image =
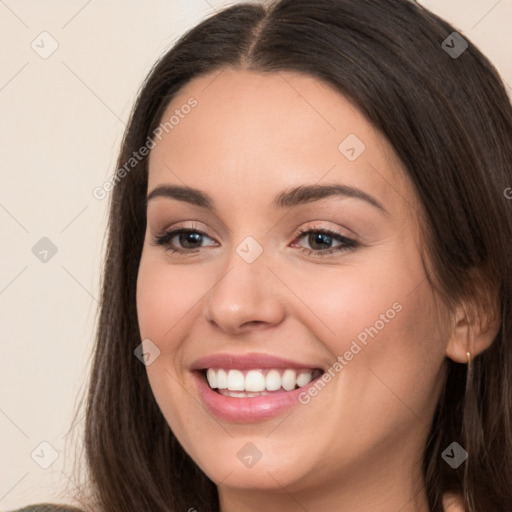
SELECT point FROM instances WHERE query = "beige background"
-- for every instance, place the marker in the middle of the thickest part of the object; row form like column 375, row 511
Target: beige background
column 61, row 122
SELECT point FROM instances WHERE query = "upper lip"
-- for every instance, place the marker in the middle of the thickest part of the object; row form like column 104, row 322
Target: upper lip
column 247, row 362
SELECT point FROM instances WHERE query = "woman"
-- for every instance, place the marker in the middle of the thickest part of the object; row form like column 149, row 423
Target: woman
column 261, row 369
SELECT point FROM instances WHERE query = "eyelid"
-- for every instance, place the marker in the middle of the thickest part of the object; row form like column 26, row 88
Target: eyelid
column 348, row 243
column 183, row 225
column 312, row 226
column 320, row 225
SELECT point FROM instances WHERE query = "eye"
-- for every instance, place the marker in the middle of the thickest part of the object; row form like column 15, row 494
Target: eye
column 191, row 239
column 325, row 237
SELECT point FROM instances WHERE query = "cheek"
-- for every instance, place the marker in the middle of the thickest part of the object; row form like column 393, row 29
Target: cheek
column 164, row 296
column 381, row 319
column 165, row 301
column 348, row 301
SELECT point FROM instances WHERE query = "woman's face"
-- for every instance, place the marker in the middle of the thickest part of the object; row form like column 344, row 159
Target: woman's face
column 247, row 282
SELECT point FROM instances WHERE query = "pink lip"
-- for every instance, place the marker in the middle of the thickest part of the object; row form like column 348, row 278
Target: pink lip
column 250, row 409
column 246, row 362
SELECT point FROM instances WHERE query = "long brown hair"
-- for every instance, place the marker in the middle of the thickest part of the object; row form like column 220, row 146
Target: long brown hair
column 449, row 120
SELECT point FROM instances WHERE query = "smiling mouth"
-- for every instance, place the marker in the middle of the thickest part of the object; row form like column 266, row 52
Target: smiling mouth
column 258, row 382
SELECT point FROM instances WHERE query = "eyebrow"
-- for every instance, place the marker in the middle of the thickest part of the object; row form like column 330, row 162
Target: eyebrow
column 287, row 199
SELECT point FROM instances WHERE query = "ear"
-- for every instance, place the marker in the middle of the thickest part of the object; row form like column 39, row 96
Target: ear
column 475, row 324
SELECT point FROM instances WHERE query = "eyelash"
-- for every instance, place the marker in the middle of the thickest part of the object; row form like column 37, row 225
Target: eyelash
column 348, row 244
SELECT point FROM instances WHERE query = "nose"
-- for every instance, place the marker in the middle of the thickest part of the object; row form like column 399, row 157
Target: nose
column 246, row 296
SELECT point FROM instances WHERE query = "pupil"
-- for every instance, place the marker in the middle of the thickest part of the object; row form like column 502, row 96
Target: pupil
column 185, row 237
column 320, row 236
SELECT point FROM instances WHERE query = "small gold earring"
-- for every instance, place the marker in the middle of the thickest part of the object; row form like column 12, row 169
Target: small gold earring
column 468, row 354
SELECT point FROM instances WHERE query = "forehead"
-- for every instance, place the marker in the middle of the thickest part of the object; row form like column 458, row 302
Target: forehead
column 251, row 134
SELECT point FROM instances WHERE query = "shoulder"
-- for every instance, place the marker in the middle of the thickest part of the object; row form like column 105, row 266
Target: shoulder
column 47, row 507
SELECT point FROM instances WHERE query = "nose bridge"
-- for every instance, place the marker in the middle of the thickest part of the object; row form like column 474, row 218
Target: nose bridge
column 246, row 290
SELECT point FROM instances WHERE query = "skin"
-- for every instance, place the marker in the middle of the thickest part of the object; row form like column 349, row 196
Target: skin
column 358, row 444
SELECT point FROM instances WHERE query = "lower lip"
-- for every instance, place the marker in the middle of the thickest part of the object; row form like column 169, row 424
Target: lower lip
column 248, row 409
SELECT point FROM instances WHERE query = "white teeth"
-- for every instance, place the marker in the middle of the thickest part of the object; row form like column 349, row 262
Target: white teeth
column 288, row 379
column 222, row 379
column 241, row 394
column 258, row 381
column 254, row 381
column 212, row 378
column 303, row 378
column 236, row 380
column 273, row 380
